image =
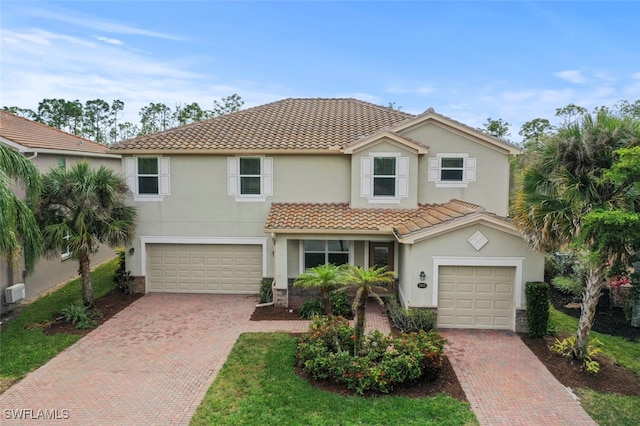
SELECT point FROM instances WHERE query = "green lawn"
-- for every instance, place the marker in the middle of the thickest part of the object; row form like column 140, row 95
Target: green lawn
column 257, row 385
column 24, row 350
column 608, row 409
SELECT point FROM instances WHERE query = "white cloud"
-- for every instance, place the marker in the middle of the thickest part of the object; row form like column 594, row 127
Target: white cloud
column 572, row 76
column 94, row 23
column 108, row 40
column 420, row 90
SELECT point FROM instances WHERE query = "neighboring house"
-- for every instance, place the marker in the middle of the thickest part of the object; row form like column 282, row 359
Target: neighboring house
column 275, row 189
column 47, row 147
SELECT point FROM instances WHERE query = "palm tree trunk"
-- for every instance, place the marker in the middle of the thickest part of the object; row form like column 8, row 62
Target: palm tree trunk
column 360, row 320
column 590, row 297
column 326, row 304
column 87, row 287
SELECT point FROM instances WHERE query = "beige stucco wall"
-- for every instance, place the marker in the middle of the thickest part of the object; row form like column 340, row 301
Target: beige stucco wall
column 419, row 257
column 385, row 146
column 491, row 188
column 199, row 205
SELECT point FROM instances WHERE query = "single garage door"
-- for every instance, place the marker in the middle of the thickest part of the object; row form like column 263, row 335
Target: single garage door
column 475, row 297
column 204, row 268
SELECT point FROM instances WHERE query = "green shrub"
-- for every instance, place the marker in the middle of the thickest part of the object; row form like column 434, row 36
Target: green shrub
column 409, row 320
column 311, row 308
column 78, row 315
column 123, row 278
column 568, row 285
column 537, row 297
column 383, row 362
column 266, row 290
column 566, row 346
column 340, row 304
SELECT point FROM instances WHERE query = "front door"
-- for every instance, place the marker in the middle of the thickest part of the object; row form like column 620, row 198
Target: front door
column 381, row 254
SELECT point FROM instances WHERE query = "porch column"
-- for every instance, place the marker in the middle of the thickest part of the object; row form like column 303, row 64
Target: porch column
column 281, row 296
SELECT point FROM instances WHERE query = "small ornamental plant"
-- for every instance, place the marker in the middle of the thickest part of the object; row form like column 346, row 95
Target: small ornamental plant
column 328, row 352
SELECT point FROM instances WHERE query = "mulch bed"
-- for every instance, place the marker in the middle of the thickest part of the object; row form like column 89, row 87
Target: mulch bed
column 108, row 305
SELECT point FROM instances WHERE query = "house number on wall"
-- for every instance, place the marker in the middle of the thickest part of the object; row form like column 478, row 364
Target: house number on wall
column 422, row 285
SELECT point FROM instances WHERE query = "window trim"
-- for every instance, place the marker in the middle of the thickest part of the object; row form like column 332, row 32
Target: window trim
column 367, row 178
column 234, row 179
column 468, row 170
column 164, row 177
column 301, row 251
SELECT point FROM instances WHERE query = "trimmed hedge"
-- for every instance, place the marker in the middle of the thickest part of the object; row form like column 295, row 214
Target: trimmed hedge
column 537, row 296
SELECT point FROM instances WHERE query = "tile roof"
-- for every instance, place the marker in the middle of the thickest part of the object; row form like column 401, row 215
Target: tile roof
column 33, row 136
column 290, row 124
column 295, row 217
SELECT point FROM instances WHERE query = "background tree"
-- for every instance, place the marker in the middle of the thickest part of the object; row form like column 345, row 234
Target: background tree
column 80, row 209
column 225, row 106
column 498, row 128
column 155, row 117
column 117, row 106
column 19, row 230
column 564, row 183
column 570, row 114
column 189, row 113
column 324, row 278
column 96, row 120
column 22, row 112
column 366, row 281
column 532, row 131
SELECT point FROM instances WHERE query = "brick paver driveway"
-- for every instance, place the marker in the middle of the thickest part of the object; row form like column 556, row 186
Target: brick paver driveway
column 505, row 382
column 150, row 364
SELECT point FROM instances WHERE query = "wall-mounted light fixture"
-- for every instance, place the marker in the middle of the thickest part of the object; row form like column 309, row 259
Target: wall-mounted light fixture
column 131, row 251
column 423, row 276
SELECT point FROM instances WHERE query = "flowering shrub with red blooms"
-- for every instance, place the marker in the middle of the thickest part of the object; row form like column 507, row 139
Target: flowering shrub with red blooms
column 327, row 352
column 617, row 280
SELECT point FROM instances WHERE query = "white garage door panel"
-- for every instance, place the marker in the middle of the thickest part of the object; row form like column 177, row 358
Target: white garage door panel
column 204, row 268
column 475, row 297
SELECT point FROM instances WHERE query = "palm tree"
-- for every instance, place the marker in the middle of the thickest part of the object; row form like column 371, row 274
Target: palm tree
column 325, row 278
column 564, row 182
column 365, row 281
column 80, row 209
column 20, row 231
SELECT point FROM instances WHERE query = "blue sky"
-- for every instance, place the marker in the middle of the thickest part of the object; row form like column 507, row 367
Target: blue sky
column 469, row 60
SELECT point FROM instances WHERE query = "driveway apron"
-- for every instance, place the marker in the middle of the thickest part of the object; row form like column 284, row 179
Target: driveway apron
column 506, row 384
column 149, row 365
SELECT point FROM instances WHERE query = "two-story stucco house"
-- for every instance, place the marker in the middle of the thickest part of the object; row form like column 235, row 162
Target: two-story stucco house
column 47, row 147
column 273, row 190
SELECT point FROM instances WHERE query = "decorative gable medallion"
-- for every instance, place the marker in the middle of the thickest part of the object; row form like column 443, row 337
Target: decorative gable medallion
column 478, row 240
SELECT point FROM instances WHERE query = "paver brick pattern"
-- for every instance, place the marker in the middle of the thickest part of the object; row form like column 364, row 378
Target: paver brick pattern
column 153, row 362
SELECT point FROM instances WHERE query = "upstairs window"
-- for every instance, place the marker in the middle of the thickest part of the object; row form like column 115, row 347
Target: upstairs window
column 384, row 177
column 250, row 178
column 452, row 170
column 148, row 177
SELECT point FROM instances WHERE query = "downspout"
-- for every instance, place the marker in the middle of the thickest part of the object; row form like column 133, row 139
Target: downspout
column 35, row 154
column 273, row 283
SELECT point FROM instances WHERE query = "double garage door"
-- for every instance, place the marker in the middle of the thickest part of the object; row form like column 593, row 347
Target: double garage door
column 204, row 268
column 476, row 297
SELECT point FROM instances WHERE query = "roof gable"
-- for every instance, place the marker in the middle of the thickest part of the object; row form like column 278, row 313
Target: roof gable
column 404, row 141
column 29, row 136
column 430, row 116
column 291, row 125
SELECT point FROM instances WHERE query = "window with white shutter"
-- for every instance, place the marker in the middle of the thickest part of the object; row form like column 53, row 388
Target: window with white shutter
column 148, row 178
column 452, row 170
column 384, row 177
column 250, row 178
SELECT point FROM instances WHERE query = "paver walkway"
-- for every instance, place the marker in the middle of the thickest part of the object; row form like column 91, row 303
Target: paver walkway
column 506, row 384
column 153, row 362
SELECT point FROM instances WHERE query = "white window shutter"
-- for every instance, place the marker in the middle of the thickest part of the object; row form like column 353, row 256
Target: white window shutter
column 164, row 176
column 469, row 169
column 232, row 175
column 402, row 177
column 366, row 178
column 130, row 166
column 434, row 169
column 267, row 176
